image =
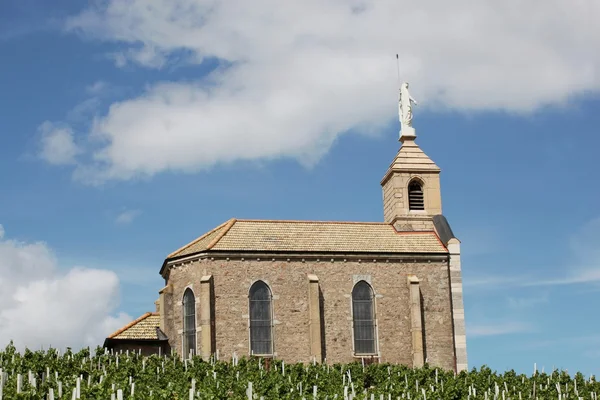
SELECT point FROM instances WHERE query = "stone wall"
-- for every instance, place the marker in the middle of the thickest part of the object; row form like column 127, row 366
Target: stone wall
column 147, row 347
column 289, row 283
column 414, row 223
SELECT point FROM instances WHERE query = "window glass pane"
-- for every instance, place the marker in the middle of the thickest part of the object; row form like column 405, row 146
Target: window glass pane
column 189, row 323
column 260, row 310
column 363, row 310
column 260, row 319
column 363, row 318
column 362, row 291
column 191, row 338
column 364, row 346
column 363, row 330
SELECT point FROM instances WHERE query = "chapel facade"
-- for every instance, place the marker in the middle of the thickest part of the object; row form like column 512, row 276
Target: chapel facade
column 326, row 291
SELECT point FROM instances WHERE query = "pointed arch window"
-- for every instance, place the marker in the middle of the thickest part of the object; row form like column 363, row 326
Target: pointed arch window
column 416, row 200
column 189, row 323
column 261, row 319
column 363, row 317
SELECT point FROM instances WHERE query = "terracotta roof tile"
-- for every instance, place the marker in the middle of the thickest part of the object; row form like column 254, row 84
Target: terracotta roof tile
column 313, row 236
column 203, row 242
column 145, row 327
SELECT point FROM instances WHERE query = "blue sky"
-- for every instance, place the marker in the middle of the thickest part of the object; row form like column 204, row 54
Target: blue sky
column 128, row 131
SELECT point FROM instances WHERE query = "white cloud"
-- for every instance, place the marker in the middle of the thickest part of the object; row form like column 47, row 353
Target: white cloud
column 83, row 111
column 96, row 88
column 486, row 281
column 295, row 75
column 584, row 268
column 585, row 255
column 146, row 55
column 127, row 217
column 587, row 275
column 592, row 353
column 480, row 240
column 101, row 90
column 520, row 303
column 57, row 144
column 584, row 243
column 40, row 305
column 583, row 341
column 496, row 329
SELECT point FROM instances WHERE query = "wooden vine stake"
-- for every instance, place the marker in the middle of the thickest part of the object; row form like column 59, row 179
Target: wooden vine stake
column 249, row 391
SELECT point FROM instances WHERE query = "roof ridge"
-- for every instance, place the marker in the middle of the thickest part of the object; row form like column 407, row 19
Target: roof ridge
column 312, row 221
column 414, row 232
column 198, row 239
column 220, row 235
column 129, row 325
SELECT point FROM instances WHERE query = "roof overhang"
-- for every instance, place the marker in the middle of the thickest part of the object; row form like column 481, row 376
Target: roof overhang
column 113, row 341
column 304, row 256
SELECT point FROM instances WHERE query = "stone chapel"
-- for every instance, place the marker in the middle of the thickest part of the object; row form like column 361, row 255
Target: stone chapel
column 328, row 291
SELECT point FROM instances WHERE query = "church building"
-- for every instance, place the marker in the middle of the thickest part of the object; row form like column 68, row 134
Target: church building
column 328, row 291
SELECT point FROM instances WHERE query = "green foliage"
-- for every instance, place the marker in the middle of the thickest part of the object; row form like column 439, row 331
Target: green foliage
column 101, row 374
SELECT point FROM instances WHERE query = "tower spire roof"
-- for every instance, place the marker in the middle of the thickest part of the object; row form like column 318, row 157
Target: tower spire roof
column 410, row 158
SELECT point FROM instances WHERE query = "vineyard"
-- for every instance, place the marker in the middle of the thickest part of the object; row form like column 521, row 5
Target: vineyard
column 101, row 375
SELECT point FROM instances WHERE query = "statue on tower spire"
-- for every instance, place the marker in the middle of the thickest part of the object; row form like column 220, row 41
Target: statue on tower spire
column 405, row 102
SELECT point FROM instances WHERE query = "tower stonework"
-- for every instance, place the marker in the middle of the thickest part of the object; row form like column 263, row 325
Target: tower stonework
column 411, row 166
column 412, row 201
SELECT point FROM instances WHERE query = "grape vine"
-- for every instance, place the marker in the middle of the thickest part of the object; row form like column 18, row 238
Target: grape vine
column 101, row 375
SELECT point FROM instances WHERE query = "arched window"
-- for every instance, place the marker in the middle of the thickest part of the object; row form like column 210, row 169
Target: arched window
column 261, row 324
column 363, row 317
column 189, row 323
column 415, row 196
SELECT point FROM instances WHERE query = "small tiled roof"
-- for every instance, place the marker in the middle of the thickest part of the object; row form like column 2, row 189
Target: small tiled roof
column 204, row 242
column 145, row 327
column 312, row 236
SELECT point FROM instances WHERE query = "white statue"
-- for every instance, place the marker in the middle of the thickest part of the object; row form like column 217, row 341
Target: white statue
column 405, row 106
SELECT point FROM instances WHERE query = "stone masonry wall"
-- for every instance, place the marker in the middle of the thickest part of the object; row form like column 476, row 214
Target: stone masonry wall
column 289, row 284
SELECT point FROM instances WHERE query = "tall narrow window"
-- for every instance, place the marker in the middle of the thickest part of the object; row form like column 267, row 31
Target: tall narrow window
column 261, row 334
column 415, row 196
column 189, row 323
column 363, row 316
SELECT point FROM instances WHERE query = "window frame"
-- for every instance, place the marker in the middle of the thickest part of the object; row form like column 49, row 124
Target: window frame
column 375, row 331
column 270, row 319
column 187, row 331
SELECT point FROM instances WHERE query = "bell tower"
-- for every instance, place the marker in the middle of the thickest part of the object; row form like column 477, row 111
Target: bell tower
column 412, row 201
column 411, row 187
